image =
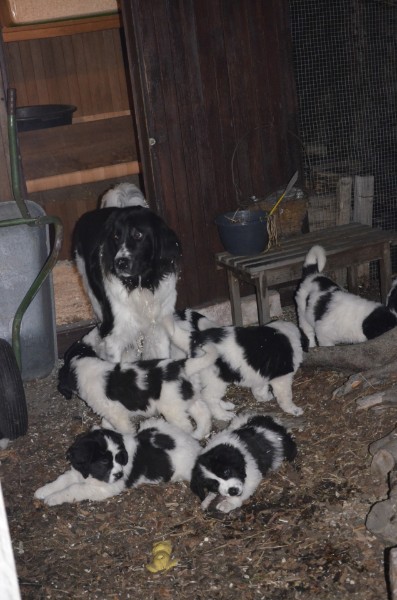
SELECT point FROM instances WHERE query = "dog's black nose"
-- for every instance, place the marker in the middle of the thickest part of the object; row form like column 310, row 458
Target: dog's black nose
column 118, row 475
column 233, row 491
column 121, row 263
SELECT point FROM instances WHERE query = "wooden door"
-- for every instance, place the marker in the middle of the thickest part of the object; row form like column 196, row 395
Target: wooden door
column 215, row 105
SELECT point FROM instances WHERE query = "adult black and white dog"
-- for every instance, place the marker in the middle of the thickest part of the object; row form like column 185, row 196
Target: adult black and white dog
column 235, row 460
column 104, row 463
column 119, row 391
column 329, row 315
column 129, row 261
column 256, row 357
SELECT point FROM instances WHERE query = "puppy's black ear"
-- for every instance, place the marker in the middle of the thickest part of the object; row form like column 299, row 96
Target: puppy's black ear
column 80, row 455
column 197, row 483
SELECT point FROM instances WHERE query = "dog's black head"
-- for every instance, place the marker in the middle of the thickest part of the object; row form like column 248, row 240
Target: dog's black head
column 138, row 247
column 221, row 470
column 100, row 453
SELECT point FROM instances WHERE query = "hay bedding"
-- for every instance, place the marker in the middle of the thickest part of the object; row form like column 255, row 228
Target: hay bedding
column 302, row 536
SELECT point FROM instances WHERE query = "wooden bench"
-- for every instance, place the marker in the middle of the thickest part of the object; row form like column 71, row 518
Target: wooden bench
column 347, row 246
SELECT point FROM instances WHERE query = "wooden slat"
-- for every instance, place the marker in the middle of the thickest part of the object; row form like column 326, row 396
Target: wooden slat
column 60, row 28
column 86, row 176
column 71, row 148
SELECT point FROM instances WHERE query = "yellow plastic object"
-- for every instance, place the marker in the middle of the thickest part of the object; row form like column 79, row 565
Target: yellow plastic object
column 161, row 560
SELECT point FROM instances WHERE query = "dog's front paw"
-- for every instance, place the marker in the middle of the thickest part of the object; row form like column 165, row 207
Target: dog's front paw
column 42, row 492
column 227, row 405
column 54, row 499
column 228, row 505
column 297, row 411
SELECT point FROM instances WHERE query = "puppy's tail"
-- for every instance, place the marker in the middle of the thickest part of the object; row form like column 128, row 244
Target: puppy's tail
column 198, row 363
column 122, row 195
column 391, row 301
column 314, row 262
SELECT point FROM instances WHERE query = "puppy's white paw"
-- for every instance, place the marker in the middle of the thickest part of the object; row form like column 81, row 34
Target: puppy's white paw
column 297, row 411
column 41, row 493
column 227, row 505
column 227, row 405
column 54, row 499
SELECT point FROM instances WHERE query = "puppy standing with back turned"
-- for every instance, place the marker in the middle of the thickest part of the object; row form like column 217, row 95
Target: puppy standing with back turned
column 129, row 260
column 329, row 315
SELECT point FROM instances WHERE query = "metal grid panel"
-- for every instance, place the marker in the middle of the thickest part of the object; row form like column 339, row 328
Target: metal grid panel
column 345, row 55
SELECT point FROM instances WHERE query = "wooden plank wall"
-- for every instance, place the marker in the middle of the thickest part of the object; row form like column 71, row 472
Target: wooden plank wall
column 85, row 69
column 216, row 80
column 89, row 71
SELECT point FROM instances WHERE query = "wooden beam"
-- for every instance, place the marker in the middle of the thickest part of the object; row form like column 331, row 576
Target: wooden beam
column 79, row 177
column 37, row 31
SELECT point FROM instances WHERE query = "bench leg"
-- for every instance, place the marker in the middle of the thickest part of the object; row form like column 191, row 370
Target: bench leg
column 385, row 272
column 262, row 300
column 235, row 299
column 352, row 279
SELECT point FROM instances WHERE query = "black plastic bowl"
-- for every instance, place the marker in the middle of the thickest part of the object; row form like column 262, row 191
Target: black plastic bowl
column 243, row 232
column 44, row 116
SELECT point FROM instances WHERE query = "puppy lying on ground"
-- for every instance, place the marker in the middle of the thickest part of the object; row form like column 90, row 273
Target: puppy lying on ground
column 329, row 315
column 256, row 357
column 104, row 463
column 235, row 460
column 129, row 261
column 120, row 391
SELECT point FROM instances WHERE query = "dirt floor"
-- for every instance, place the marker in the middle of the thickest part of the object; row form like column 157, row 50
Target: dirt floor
column 302, row 536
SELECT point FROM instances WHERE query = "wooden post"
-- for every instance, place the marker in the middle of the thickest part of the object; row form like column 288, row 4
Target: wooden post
column 363, row 209
column 363, row 199
column 343, row 200
column 343, row 213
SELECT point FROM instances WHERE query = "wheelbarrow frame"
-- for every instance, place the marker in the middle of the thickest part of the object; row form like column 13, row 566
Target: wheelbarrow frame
column 13, row 411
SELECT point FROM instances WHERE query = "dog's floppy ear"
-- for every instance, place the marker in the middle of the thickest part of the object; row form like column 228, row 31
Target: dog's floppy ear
column 197, row 482
column 168, row 244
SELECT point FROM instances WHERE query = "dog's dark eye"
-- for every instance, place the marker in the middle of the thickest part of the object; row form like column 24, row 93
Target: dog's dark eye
column 137, row 235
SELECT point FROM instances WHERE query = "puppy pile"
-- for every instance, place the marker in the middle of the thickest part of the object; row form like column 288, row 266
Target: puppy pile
column 145, row 360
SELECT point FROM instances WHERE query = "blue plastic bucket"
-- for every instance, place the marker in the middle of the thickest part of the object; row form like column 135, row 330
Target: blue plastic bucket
column 243, row 232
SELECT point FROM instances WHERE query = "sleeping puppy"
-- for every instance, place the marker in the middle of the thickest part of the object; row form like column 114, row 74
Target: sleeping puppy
column 256, row 357
column 104, row 463
column 329, row 315
column 129, row 261
column 235, row 460
column 120, row 391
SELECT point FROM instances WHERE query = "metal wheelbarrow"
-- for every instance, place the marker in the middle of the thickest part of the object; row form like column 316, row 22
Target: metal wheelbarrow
column 27, row 335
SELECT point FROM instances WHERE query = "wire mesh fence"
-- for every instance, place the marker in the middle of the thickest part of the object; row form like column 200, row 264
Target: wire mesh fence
column 345, row 61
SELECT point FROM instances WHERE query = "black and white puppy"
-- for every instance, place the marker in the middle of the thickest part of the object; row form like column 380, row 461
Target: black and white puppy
column 104, row 463
column 235, row 460
column 329, row 315
column 256, row 357
column 129, row 261
column 119, row 391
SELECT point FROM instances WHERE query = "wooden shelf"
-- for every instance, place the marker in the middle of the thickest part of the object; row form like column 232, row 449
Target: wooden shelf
column 36, row 31
column 79, row 153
